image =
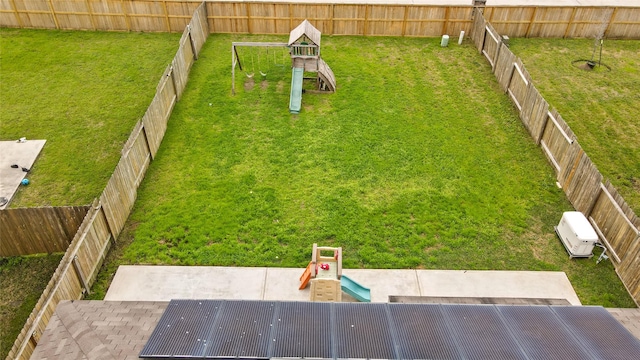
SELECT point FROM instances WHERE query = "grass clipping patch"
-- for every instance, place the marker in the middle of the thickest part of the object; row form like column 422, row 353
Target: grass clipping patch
column 417, row 161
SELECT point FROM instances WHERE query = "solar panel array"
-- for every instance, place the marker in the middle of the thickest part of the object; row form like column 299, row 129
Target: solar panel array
column 208, row 329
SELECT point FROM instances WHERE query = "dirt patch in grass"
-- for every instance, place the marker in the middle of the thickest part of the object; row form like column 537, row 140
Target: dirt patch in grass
column 249, row 84
column 22, row 280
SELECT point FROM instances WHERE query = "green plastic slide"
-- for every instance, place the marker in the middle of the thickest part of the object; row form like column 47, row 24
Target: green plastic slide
column 354, row 289
column 295, row 100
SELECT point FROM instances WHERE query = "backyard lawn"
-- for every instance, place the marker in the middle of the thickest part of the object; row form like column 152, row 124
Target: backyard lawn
column 418, row 161
column 83, row 92
column 600, row 106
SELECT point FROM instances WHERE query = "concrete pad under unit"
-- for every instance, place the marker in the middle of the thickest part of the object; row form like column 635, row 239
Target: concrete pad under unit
column 23, row 154
column 163, row 283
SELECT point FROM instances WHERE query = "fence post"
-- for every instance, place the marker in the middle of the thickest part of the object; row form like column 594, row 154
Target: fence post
column 173, row 82
column 15, row 10
column 80, row 275
column 53, row 13
column 166, row 16
column 193, row 45
column 126, row 17
column 593, row 202
column 248, row 7
column 613, row 15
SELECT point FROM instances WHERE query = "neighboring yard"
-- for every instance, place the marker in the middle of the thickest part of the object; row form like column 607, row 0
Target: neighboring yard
column 600, row 107
column 83, row 92
column 22, row 280
column 418, row 161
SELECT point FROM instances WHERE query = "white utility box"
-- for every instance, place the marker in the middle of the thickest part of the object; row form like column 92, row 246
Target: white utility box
column 577, row 234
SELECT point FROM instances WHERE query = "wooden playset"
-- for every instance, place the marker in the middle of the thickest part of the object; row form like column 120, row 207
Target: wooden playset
column 304, row 50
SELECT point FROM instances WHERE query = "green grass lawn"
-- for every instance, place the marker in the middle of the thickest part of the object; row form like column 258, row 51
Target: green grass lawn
column 418, row 161
column 601, row 107
column 82, row 91
column 22, row 281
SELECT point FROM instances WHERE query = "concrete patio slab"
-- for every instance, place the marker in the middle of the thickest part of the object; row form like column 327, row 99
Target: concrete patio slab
column 282, row 284
column 23, row 154
column 163, row 283
column 489, row 283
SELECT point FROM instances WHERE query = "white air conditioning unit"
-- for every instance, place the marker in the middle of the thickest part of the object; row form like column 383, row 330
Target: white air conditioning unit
column 577, row 234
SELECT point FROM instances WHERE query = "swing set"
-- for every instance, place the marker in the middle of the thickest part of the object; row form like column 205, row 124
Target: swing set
column 253, row 49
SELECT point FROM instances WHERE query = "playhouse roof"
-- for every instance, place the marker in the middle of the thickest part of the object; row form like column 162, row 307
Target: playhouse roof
column 305, row 28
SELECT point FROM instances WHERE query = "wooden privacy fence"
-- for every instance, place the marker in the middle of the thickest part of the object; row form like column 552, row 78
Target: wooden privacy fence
column 27, row 231
column 107, row 215
column 614, row 221
column 269, row 17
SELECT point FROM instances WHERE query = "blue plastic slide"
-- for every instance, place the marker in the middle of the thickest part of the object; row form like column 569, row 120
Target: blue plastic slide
column 354, row 289
column 295, row 101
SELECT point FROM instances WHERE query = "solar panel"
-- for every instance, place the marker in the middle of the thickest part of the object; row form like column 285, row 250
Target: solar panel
column 541, row 333
column 216, row 329
column 599, row 333
column 362, row 331
column 423, row 332
column 243, row 329
column 303, row 330
column 481, row 333
column 183, row 329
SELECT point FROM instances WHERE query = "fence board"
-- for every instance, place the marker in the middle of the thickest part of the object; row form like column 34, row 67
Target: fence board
column 549, row 22
column 477, row 31
column 157, row 115
column 556, row 141
column 628, row 270
column 27, row 231
column 199, row 28
column 613, row 223
column 518, row 83
column 589, row 22
column 624, row 24
column 121, row 191
column 349, row 19
column 534, row 113
column 512, row 21
column 182, row 62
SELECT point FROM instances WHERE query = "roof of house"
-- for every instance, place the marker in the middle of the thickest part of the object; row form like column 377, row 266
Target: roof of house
column 120, row 330
column 305, row 28
column 99, row 330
